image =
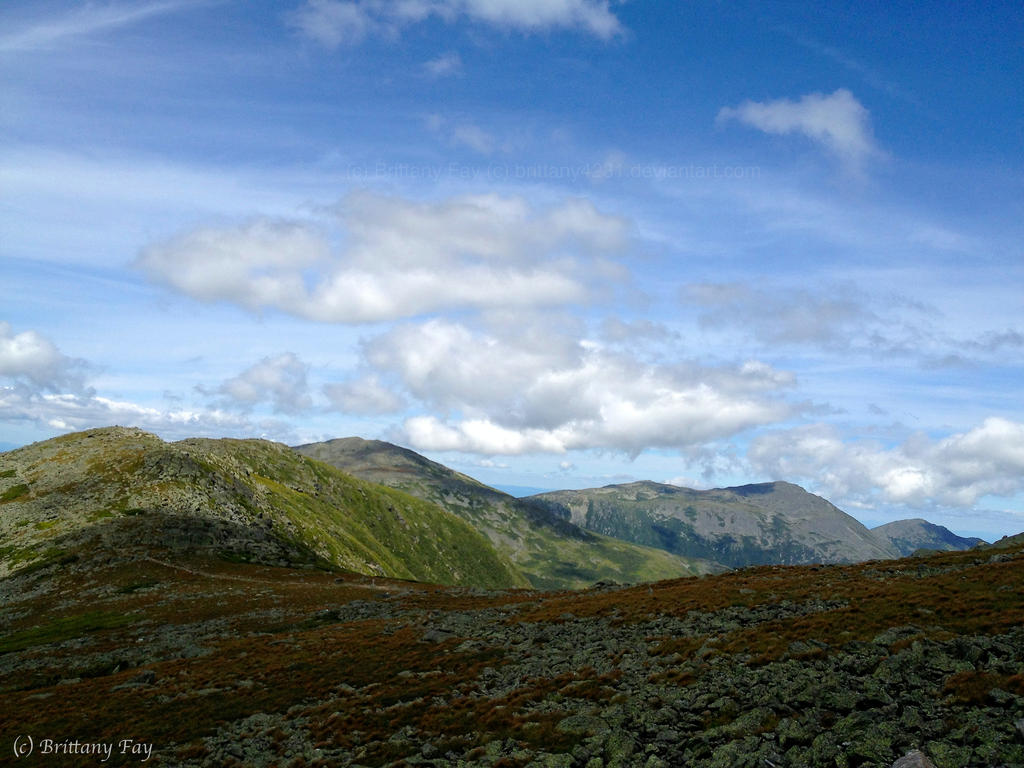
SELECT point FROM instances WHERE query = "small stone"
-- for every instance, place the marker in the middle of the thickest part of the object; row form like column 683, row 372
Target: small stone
column 436, row 635
column 145, row 677
column 914, row 759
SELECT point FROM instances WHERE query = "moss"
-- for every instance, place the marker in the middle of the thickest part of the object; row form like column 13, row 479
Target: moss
column 14, row 492
column 39, row 561
column 8, row 473
column 61, row 629
column 128, row 589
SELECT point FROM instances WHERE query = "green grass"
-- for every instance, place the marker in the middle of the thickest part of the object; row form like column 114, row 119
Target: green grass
column 36, row 560
column 14, row 492
column 65, row 628
column 7, row 473
column 128, row 589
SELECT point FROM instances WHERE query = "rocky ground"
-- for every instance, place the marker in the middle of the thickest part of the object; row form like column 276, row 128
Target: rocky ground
column 228, row 664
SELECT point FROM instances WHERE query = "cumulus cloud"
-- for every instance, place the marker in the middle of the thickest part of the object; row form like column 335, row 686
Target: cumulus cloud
column 955, row 471
column 402, row 258
column 363, row 395
column 280, row 381
column 528, row 389
column 333, row 23
column 837, row 121
column 31, row 360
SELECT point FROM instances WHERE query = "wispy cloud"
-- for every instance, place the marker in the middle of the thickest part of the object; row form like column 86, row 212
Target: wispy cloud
column 87, row 20
column 465, row 134
column 837, row 121
column 445, row 65
column 333, row 23
column 869, row 75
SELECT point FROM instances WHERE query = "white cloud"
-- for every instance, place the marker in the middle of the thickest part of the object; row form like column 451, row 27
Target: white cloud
column 529, row 389
column 684, row 481
column 837, row 121
column 259, row 264
column 492, row 464
column 365, row 395
column 279, row 380
column 332, row 23
column 336, row 22
column 402, row 258
column 445, row 65
column 31, row 359
column 71, row 412
column 88, row 19
column 955, row 471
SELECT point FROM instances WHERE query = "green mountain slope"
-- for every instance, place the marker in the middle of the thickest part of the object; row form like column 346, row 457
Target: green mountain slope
column 553, row 552
column 746, row 525
column 908, row 536
column 243, row 499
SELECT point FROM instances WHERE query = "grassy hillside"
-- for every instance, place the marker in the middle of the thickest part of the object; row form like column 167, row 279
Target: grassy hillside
column 747, row 525
column 553, row 552
column 244, row 499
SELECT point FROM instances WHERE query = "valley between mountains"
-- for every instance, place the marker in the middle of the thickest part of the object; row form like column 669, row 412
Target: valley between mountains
column 351, row 603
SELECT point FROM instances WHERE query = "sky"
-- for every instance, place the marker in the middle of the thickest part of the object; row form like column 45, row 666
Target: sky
column 549, row 243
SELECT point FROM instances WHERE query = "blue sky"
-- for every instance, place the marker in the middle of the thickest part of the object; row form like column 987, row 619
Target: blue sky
column 556, row 243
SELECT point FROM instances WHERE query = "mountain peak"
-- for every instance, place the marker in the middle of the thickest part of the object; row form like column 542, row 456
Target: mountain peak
column 908, row 536
column 251, row 500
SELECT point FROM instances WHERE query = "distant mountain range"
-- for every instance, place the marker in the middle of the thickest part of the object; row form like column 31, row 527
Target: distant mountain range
column 374, row 508
column 747, row 525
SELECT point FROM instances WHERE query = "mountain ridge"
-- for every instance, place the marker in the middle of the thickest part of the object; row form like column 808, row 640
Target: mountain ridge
column 244, row 499
column 553, row 552
column 758, row 523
